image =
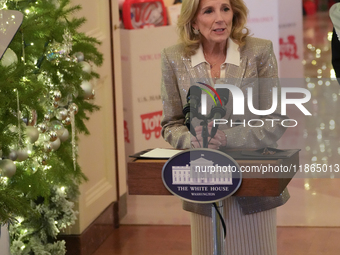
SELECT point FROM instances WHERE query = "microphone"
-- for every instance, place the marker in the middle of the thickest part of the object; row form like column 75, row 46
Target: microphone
column 219, row 111
column 190, row 109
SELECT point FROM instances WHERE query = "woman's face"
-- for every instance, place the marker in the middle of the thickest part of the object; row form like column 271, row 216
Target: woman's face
column 214, row 20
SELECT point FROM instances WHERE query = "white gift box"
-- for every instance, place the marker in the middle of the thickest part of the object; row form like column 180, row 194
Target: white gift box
column 141, row 76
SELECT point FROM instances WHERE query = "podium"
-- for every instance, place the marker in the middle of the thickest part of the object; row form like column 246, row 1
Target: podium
column 144, row 176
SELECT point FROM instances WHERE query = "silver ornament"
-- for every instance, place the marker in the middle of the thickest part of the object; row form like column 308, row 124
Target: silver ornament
column 47, row 147
column 56, row 144
column 56, row 95
column 32, row 134
column 55, row 104
column 80, row 56
column 92, row 95
column 47, row 117
column 73, row 108
column 61, row 113
column 87, row 89
column 44, row 160
column 67, row 121
column 42, row 127
column 64, row 136
column 8, row 168
column 22, row 154
column 57, row 126
column 13, row 155
column 53, row 136
column 64, row 101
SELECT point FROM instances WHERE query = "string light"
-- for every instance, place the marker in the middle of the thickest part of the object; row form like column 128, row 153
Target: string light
column 307, row 186
column 5, row 180
column 329, row 36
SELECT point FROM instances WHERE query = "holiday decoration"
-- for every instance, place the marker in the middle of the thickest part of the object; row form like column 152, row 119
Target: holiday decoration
column 79, row 56
column 9, row 58
column 7, row 167
column 13, row 155
column 22, row 154
column 87, row 89
column 32, row 133
column 86, row 67
column 47, row 65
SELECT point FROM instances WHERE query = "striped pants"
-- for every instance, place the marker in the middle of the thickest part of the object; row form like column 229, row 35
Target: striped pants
column 252, row 234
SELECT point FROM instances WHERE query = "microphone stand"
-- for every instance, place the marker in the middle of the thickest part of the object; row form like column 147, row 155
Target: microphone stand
column 205, row 133
column 218, row 233
column 216, row 112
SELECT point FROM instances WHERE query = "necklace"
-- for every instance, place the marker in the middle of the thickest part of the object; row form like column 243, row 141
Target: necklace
column 209, row 62
column 214, row 73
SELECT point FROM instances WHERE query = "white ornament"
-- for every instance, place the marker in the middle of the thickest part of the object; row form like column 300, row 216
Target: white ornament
column 22, row 154
column 9, row 58
column 86, row 67
column 87, row 88
column 32, row 134
column 8, row 168
column 13, row 155
column 64, row 136
column 56, row 144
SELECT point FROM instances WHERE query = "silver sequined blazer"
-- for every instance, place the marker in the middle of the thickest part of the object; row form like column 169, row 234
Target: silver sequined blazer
column 257, row 61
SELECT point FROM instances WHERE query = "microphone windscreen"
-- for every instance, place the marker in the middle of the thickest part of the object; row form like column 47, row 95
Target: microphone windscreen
column 194, row 91
column 224, row 95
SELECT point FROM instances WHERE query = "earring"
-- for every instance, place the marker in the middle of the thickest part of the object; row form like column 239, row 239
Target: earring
column 195, row 31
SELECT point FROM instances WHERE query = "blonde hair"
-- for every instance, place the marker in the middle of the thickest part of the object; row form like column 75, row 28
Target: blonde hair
column 188, row 13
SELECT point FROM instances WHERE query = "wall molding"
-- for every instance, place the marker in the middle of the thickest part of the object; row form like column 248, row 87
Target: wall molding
column 97, row 191
column 95, row 234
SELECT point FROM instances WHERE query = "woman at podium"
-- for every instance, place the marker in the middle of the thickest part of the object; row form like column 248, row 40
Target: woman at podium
column 215, row 47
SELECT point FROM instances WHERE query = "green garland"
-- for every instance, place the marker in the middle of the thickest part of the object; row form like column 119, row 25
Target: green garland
column 50, row 83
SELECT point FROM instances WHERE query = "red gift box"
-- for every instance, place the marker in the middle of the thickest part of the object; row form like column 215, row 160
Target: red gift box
column 144, row 13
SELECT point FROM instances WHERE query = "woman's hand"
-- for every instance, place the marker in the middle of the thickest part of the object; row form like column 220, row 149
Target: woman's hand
column 216, row 142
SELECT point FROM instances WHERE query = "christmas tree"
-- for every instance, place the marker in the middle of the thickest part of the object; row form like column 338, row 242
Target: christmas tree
column 46, row 87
